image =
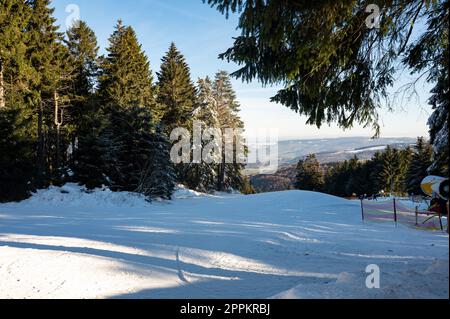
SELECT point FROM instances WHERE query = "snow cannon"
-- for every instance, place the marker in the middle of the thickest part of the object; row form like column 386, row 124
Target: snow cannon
column 435, row 185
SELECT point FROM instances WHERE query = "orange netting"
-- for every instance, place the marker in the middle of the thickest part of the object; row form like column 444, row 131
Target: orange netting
column 394, row 210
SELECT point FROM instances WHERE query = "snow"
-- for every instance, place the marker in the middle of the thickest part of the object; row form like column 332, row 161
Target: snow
column 66, row 243
column 375, row 148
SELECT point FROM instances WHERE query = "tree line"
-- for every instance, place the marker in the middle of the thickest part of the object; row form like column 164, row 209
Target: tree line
column 392, row 171
column 70, row 115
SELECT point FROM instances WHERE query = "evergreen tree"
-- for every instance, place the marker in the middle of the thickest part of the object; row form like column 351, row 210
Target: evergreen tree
column 354, row 182
column 138, row 157
column 420, row 162
column 229, row 175
column 334, row 62
column 14, row 16
column 135, row 152
column 429, row 55
column 203, row 176
column 51, row 67
column 394, row 166
column 16, row 156
column 126, row 79
column 309, row 174
column 439, row 120
column 86, row 117
column 176, row 92
column 247, row 187
column 405, row 162
column 376, row 166
column 82, row 45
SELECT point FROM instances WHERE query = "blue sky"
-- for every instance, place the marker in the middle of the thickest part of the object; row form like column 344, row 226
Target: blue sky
column 201, row 33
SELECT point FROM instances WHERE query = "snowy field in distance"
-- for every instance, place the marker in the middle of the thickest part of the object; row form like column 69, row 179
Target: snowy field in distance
column 65, row 243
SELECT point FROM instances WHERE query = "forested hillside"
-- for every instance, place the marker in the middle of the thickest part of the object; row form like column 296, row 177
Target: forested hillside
column 70, row 115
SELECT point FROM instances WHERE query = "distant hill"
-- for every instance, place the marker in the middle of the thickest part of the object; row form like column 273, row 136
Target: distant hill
column 327, row 151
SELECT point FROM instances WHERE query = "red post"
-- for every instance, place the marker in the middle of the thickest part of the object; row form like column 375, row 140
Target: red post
column 395, row 211
column 417, row 215
column 440, row 218
column 362, row 209
column 448, row 214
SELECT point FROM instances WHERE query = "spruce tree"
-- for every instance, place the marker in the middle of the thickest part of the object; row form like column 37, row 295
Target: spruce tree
column 86, row 117
column 309, row 174
column 418, row 168
column 136, row 153
column 176, row 92
column 439, row 120
column 126, row 79
column 374, row 174
column 429, row 54
column 82, row 45
column 138, row 156
column 229, row 175
column 50, row 63
column 16, row 156
column 353, row 184
column 334, row 63
column 394, row 165
column 14, row 16
column 217, row 108
column 202, row 176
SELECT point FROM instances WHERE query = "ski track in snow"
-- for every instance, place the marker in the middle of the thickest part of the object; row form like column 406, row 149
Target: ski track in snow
column 279, row 245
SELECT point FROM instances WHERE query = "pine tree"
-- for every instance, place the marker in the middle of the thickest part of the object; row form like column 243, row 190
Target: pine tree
column 393, row 170
column 247, row 187
column 14, row 16
column 16, row 156
column 217, row 108
column 176, row 92
column 334, row 65
column 420, row 162
column 229, row 175
column 86, row 118
column 138, row 156
column 405, row 162
column 353, row 184
column 82, row 45
column 158, row 177
column 429, row 55
column 202, row 176
column 309, row 174
column 17, row 159
column 136, row 153
column 374, row 174
column 439, row 120
column 126, row 78
column 51, row 67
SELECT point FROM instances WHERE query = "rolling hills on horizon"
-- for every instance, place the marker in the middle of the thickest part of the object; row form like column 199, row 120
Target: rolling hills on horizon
column 327, row 151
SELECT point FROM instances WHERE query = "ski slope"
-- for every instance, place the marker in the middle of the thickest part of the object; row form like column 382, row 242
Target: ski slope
column 65, row 243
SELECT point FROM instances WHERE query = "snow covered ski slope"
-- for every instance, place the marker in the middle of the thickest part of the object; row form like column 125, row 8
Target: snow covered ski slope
column 65, row 243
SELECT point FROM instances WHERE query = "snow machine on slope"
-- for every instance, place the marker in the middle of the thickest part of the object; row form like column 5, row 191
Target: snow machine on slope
column 435, row 186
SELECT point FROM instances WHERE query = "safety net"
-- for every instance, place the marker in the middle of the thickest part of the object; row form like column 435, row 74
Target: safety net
column 397, row 211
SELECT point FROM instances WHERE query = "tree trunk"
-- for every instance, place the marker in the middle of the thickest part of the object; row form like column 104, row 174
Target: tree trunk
column 2, row 88
column 221, row 175
column 58, row 126
column 40, row 150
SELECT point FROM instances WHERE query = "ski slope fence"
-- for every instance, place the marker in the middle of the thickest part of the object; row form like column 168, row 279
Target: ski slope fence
column 394, row 210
